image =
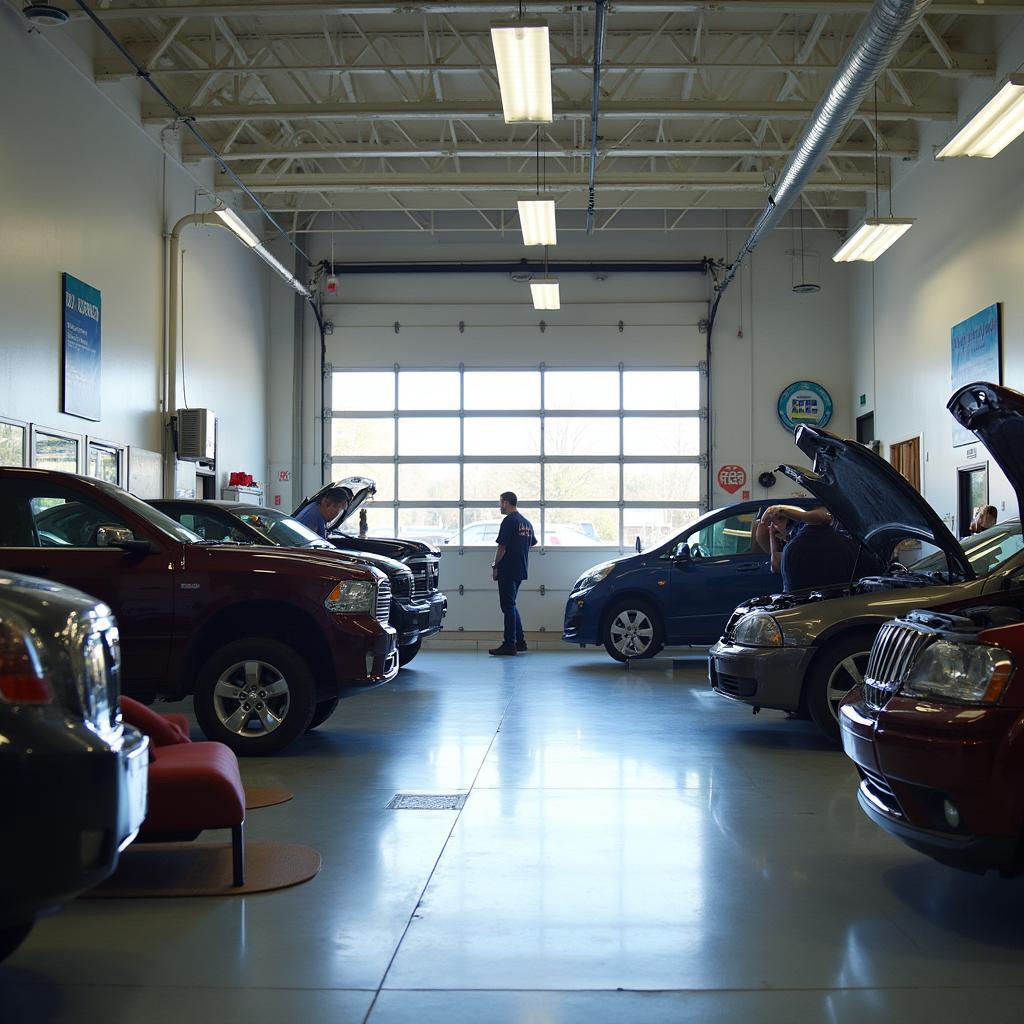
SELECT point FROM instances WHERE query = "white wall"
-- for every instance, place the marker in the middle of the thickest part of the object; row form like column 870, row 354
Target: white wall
column 81, row 188
column 963, row 254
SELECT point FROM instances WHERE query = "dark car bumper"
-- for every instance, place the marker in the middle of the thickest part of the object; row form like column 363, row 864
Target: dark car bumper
column 765, row 677
column 364, row 653
column 913, row 756
column 73, row 803
column 581, row 623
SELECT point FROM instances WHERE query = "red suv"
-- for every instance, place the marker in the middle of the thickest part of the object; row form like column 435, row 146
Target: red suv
column 266, row 640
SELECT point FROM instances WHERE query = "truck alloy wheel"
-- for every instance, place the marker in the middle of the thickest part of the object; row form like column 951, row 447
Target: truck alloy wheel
column 255, row 695
column 632, row 630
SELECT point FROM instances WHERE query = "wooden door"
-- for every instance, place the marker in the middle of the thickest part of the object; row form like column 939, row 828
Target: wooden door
column 905, row 456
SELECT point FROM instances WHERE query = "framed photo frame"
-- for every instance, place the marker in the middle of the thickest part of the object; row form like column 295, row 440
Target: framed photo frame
column 975, row 354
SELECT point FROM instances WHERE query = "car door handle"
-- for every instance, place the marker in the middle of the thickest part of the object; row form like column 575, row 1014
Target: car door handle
column 32, row 570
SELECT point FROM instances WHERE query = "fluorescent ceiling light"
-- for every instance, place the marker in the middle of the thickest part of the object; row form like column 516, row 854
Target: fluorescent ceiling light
column 545, row 293
column 523, row 55
column 238, row 226
column 281, row 270
column 537, row 219
column 993, row 127
column 871, row 239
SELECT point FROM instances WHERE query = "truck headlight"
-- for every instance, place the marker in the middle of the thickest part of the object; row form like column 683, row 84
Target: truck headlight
column 592, row 577
column 758, row 629
column 352, row 598
column 962, row 673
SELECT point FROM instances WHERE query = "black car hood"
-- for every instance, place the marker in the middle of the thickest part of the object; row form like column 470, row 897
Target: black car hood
column 996, row 415
column 361, row 487
column 393, row 547
column 876, row 505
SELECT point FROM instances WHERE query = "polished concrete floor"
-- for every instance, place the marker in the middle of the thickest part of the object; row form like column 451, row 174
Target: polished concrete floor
column 632, row 848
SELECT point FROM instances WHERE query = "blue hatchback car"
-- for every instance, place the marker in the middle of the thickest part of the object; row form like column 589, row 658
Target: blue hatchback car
column 679, row 593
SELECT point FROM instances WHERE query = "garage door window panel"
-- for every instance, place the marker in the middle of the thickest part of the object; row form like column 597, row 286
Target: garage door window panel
column 362, row 437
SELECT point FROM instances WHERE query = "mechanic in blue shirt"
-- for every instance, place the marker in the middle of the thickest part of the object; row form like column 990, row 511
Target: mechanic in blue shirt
column 317, row 515
column 809, row 549
column 509, row 568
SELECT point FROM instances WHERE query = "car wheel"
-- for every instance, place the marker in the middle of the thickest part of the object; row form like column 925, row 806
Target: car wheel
column 322, row 712
column 633, row 630
column 255, row 695
column 834, row 672
column 12, row 936
column 408, row 652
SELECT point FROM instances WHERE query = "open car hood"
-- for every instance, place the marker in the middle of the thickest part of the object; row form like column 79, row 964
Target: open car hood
column 362, row 487
column 996, row 415
column 870, row 499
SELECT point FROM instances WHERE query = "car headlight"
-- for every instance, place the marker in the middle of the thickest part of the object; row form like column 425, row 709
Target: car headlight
column 758, row 629
column 962, row 673
column 592, row 577
column 352, row 598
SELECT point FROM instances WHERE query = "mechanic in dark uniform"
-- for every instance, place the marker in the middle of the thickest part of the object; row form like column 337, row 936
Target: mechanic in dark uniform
column 509, row 568
column 808, row 549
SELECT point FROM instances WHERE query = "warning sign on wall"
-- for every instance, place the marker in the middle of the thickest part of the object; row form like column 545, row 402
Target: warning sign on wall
column 731, row 478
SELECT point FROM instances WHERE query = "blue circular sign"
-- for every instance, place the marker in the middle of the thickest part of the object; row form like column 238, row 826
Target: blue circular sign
column 805, row 402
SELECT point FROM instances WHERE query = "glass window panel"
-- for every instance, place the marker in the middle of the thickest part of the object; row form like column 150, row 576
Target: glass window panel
column 428, row 389
column 727, row 535
column 380, row 522
column 582, row 527
column 502, row 389
column 362, row 437
column 581, row 481
column 432, row 526
column 661, row 389
column 381, row 473
column 661, row 482
column 654, row 526
column 363, row 391
column 485, row 481
column 55, row 452
column 650, row 435
column 12, row 444
column 502, row 435
column 105, row 463
column 437, row 481
column 581, row 389
column 584, row 435
column 424, row 435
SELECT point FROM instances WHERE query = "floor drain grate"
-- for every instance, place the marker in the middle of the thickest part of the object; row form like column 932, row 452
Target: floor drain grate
column 427, row 802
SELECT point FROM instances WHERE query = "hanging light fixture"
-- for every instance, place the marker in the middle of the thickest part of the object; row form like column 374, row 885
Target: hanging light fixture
column 993, row 127
column 250, row 239
column 545, row 289
column 522, row 52
column 537, row 215
column 803, row 282
column 876, row 234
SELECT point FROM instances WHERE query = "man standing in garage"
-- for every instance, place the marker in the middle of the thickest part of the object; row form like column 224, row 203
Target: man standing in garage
column 509, row 569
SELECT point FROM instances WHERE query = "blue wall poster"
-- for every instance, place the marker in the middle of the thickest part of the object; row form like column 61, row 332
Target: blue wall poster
column 975, row 356
column 81, row 347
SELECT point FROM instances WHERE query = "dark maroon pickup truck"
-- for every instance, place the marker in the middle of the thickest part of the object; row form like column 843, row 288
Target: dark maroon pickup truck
column 265, row 639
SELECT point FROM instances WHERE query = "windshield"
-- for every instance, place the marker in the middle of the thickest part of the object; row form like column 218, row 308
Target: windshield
column 157, row 519
column 280, row 528
column 985, row 551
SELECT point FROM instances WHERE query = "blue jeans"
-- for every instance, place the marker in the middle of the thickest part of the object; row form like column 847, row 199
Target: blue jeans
column 507, row 590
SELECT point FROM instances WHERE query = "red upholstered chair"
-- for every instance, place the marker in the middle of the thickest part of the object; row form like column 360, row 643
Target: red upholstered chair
column 192, row 786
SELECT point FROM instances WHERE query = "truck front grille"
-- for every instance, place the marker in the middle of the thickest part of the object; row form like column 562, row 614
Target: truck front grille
column 894, row 652
column 383, row 611
column 425, row 572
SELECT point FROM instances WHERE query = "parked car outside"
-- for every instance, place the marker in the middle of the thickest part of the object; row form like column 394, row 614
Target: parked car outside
column 802, row 652
column 485, row 532
column 265, row 640
column 936, row 730
column 679, row 593
column 239, row 523
column 73, row 775
column 422, row 558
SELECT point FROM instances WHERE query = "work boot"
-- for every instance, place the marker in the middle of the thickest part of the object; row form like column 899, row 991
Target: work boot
column 521, row 645
column 502, row 650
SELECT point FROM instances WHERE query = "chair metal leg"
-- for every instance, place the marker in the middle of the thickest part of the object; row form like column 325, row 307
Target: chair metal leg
column 238, row 853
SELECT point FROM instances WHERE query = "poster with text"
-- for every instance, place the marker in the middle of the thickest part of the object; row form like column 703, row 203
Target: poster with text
column 81, row 348
column 975, row 356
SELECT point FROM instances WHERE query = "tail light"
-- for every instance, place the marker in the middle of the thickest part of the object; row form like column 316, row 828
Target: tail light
column 21, row 675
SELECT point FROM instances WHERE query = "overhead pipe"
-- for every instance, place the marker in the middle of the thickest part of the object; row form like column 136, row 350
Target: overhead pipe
column 876, row 44
column 595, row 97
column 523, row 267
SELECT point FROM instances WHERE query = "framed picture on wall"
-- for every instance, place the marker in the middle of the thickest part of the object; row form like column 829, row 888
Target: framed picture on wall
column 975, row 355
column 81, row 348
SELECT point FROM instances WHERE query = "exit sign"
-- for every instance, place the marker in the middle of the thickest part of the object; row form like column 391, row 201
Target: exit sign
column 863, row 399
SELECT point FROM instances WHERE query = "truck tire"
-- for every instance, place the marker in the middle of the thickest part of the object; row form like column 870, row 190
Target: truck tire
column 633, row 629
column 838, row 667
column 255, row 695
column 408, row 652
column 322, row 712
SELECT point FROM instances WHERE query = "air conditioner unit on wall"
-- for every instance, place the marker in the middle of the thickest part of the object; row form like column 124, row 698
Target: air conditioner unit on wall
column 197, row 435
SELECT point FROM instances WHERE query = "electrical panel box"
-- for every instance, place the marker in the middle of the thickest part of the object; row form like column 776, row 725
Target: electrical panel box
column 197, row 435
